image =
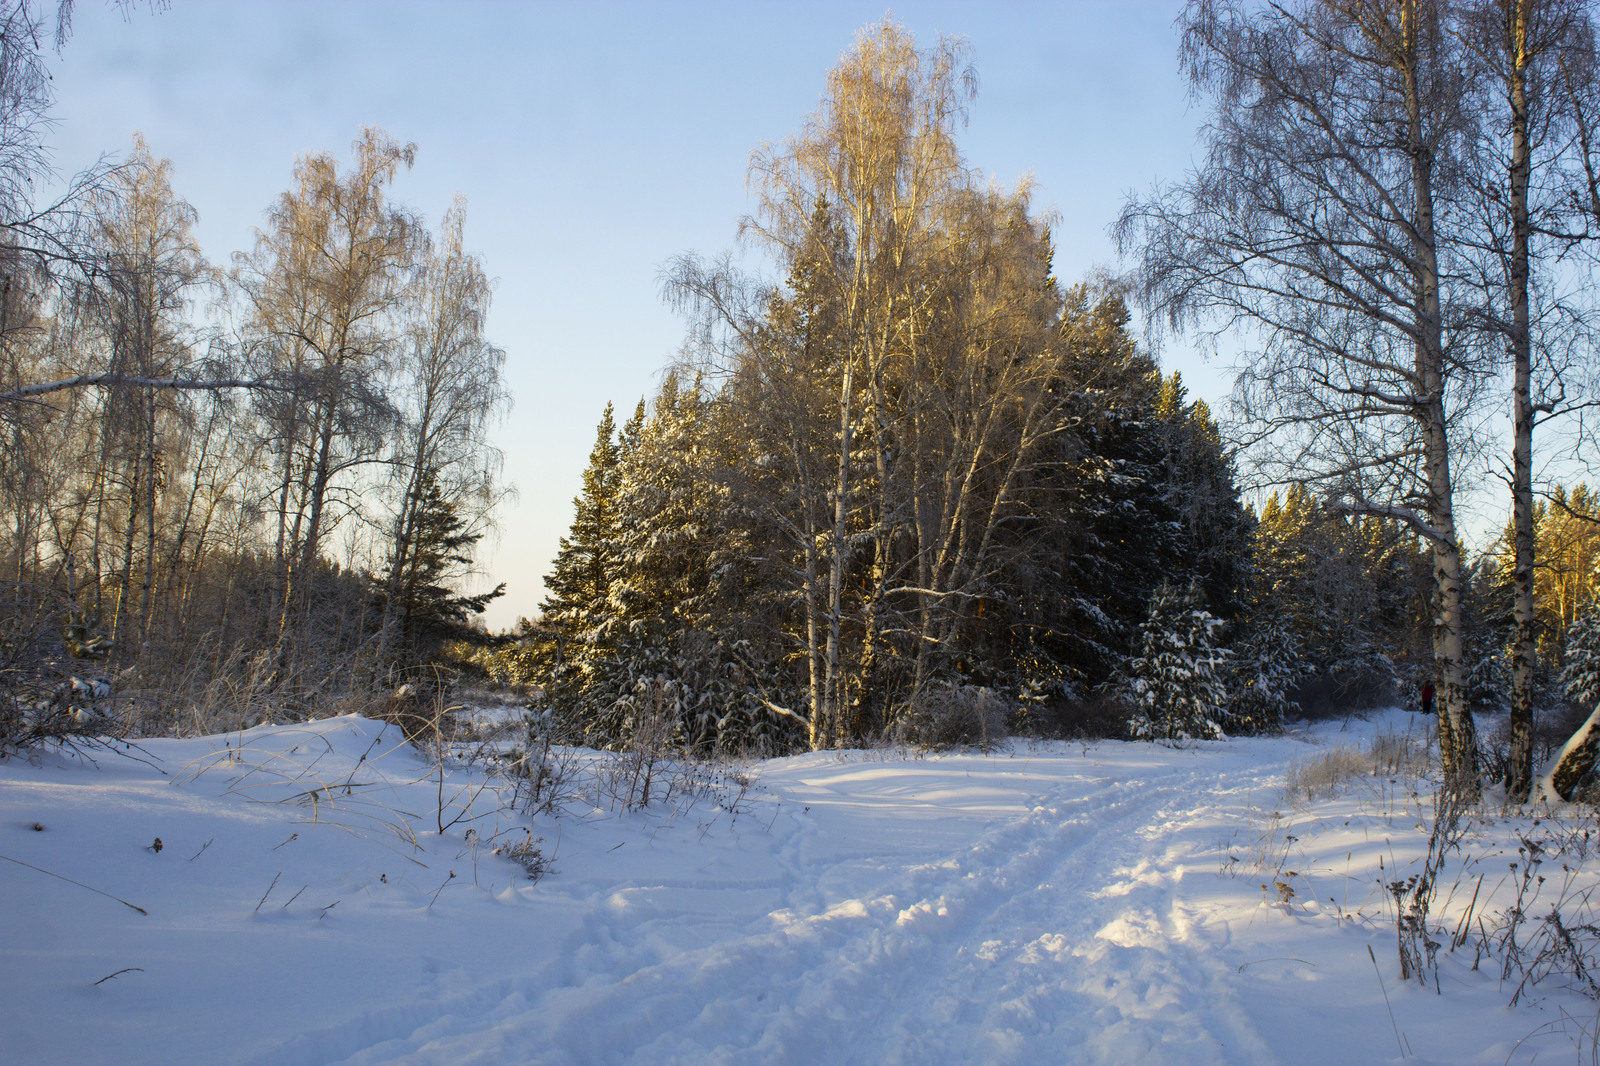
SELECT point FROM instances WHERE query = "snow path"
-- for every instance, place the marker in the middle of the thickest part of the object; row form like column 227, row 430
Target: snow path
column 1031, row 937
column 1044, row 904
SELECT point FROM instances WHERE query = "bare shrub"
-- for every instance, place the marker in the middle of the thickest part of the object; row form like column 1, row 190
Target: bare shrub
column 1540, row 938
column 546, row 772
column 949, row 716
column 629, row 776
column 1328, row 774
column 1414, row 895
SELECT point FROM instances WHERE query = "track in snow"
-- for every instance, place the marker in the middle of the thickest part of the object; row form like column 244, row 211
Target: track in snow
column 1043, row 935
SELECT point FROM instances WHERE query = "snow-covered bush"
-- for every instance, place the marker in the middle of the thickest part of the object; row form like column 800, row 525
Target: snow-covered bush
column 1178, row 683
column 947, row 716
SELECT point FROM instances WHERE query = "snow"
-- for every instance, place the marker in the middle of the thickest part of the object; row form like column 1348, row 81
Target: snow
column 1047, row 903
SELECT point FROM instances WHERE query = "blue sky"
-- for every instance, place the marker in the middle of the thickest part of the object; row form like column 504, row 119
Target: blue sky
column 593, row 141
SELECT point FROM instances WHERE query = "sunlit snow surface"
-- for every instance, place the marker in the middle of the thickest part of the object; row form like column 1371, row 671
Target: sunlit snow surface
column 1045, row 904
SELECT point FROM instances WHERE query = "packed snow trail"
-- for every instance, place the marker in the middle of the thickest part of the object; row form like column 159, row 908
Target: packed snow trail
column 1041, row 938
column 1051, row 903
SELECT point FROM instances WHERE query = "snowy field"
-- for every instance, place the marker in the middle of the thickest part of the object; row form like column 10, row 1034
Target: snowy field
column 1056, row 903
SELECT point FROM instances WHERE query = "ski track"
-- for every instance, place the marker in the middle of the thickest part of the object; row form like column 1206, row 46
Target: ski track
column 1046, row 938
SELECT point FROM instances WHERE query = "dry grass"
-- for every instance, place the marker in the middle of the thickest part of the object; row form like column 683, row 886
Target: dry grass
column 1389, row 757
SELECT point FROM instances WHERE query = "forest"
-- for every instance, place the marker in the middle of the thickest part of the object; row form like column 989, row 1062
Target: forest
column 904, row 484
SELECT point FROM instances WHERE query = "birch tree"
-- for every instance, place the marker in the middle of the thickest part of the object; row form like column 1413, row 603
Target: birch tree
column 148, row 267
column 1525, row 57
column 880, row 152
column 1324, row 218
column 449, row 391
column 322, row 286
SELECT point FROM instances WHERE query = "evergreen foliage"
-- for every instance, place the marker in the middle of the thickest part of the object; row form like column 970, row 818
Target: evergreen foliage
column 1267, row 669
column 1178, row 683
column 681, row 585
column 1581, row 676
column 1352, row 592
column 430, row 610
column 577, row 635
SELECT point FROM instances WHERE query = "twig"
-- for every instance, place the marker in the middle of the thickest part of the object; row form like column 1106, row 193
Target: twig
column 1281, row 958
column 202, row 850
column 270, row 887
column 1386, row 1002
column 292, row 836
column 119, row 973
column 446, row 881
column 80, row 884
column 293, row 898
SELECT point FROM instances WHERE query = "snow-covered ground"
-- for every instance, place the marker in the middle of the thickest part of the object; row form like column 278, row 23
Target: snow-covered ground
column 1056, row 903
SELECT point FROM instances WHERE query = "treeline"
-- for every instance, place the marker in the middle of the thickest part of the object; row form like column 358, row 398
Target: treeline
column 918, row 487
column 920, row 484
column 705, row 577
column 242, row 492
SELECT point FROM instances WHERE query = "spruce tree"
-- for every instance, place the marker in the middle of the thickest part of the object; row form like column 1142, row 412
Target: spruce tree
column 430, row 611
column 1178, row 682
column 684, row 588
column 575, row 639
column 1581, row 675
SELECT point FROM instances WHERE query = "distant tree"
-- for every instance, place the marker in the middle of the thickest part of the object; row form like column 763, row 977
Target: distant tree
column 1352, row 592
column 1265, row 670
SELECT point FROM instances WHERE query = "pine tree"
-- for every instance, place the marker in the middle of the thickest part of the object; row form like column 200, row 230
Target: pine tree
column 1266, row 668
column 1178, row 682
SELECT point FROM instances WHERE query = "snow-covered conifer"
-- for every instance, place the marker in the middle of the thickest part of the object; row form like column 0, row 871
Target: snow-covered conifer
column 1581, row 677
column 1266, row 666
column 1178, row 682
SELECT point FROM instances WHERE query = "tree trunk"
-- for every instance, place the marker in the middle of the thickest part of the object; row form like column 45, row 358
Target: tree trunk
column 1523, row 643
column 1458, row 747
